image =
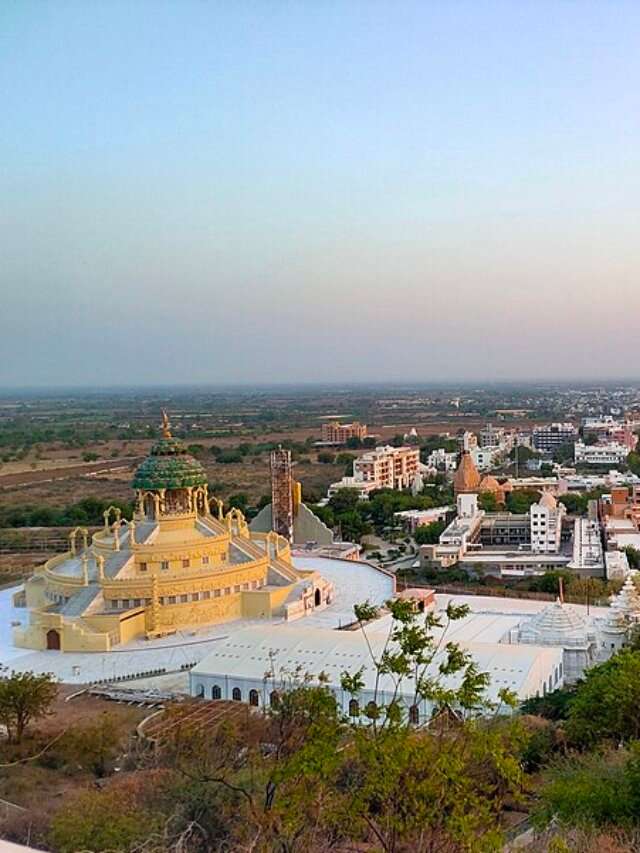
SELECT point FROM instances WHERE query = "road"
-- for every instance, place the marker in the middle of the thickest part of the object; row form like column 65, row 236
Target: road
column 27, row 478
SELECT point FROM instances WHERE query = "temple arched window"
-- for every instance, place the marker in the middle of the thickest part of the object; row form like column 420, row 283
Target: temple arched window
column 236, row 694
column 149, row 507
column 254, row 698
column 354, row 708
column 216, row 692
column 274, row 699
column 414, row 715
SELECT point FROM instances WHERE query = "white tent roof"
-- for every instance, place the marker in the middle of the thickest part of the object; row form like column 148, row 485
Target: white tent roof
column 254, row 652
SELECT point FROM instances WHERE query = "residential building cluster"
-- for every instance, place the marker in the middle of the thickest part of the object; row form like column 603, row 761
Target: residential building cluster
column 545, row 537
column 384, row 467
column 333, row 432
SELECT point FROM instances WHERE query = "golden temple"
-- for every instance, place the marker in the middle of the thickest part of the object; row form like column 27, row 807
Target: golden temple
column 179, row 563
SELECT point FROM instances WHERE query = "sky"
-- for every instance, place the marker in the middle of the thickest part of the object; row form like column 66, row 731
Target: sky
column 319, row 191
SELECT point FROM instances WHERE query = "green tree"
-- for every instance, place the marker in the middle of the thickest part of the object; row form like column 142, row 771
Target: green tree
column 606, row 703
column 344, row 500
column 575, row 504
column 239, row 501
column 523, row 453
column 429, row 534
column 352, row 525
column 633, row 556
column 25, row 697
column 102, row 820
column 633, row 461
column 346, row 459
column 563, row 454
column 324, row 513
column 519, row 500
column 585, row 790
column 92, row 746
column 554, row 706
column 229, row 457
column 326, row 458
column 550, row 581
column 488, row 502
column 400, row 790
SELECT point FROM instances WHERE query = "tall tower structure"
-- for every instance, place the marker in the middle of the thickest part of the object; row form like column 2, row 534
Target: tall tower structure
column 282, row 493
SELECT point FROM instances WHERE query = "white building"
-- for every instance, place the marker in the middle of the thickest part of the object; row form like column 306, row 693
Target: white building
column 442, row 460
column 256, row 664
column 465, row 525
column 413, row 518
column 600, row 454
column 485, row 458
column 468, row 440
column 545, row 520
column 363, row 489
column 588, row 555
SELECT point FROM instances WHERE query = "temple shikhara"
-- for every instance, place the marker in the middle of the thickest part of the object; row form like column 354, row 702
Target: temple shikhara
column 179, row 562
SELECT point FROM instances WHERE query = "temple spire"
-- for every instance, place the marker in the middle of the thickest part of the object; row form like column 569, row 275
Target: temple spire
column 166, row 426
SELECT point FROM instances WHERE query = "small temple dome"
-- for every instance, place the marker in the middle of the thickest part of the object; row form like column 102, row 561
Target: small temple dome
column 557, row 625
column 467, row 478
column 489, row 484
column 169, row 466
column 548, row 500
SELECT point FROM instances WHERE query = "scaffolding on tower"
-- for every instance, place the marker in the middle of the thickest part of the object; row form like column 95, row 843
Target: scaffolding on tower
column 282, row 493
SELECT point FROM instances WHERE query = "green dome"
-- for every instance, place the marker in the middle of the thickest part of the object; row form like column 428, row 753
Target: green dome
column 169, row 466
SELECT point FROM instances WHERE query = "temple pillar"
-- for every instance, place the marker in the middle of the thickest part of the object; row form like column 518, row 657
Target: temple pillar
column 85, row 569
column 154, row 610
column 132, row 533
column 116, row 538
column 100, row 566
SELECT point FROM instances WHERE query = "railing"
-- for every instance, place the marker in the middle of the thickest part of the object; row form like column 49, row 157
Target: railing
column 178, row 576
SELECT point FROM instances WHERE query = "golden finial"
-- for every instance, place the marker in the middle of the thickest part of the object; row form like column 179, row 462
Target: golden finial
column 166, row 426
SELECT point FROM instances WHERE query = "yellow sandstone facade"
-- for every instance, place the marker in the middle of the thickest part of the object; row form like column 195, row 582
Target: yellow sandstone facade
column 179, row 563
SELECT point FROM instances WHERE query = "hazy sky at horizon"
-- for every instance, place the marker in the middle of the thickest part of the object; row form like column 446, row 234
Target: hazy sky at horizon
column 317, row 191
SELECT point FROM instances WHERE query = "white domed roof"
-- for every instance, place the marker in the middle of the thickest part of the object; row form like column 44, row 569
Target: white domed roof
column 557, row 625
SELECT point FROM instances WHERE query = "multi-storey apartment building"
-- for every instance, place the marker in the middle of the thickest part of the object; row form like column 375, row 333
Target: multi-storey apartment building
column 546, row 525
column 491, row 436
column 382, row 468
column 337, row 433
column 600, row 454
column 388, row 467
column 552, row 436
